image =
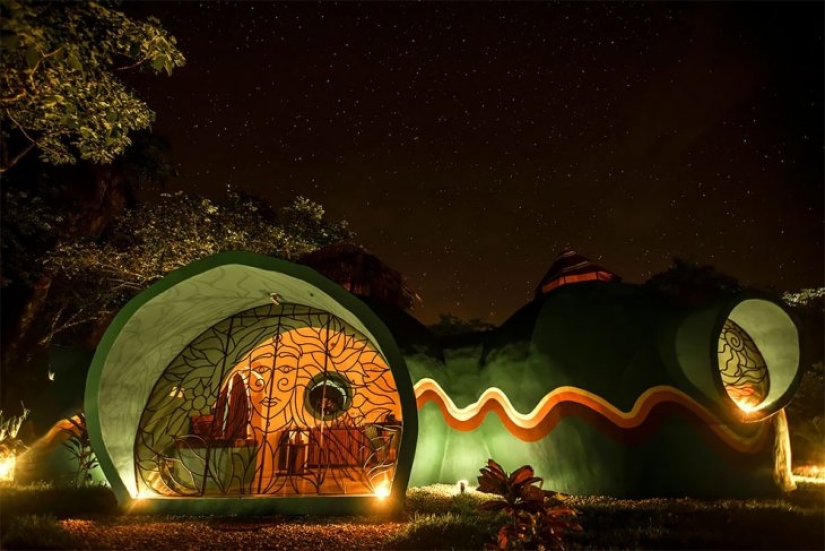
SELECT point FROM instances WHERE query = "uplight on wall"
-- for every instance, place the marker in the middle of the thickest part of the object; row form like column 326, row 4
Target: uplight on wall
column 7, row 467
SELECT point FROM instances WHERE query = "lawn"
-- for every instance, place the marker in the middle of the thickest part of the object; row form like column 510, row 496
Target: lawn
column 435, row 517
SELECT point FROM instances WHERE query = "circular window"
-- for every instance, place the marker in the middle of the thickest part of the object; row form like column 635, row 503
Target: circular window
column 328, row 395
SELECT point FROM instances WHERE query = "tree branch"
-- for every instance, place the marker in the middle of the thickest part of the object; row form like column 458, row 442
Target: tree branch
column 32, row 143
column 18, row 96
column 17, row 157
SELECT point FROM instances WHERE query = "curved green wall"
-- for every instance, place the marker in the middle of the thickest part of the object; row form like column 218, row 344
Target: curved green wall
column 639, row 405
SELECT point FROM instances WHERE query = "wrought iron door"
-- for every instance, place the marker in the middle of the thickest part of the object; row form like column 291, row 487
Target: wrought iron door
column 278, row 401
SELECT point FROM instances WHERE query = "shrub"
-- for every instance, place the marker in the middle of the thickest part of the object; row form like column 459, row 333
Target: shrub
column 10, row 444
column 80, row 446
column 537, row 519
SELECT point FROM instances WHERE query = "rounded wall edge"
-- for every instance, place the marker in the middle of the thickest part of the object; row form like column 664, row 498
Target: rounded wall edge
column 353, row 306
column 693, row 340
column 776, row 331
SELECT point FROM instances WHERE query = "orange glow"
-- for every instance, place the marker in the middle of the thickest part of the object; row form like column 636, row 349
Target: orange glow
column 810, row 473
column 7, row 466
column 382, row 490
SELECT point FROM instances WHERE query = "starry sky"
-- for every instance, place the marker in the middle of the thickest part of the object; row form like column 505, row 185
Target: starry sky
column 468, row 143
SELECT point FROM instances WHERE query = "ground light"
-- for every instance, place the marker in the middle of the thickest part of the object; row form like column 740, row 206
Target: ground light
column 812, row 474
column 382, row 490
column 7, row 466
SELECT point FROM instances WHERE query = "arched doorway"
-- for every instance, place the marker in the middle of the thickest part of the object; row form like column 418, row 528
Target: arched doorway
column 279, row 400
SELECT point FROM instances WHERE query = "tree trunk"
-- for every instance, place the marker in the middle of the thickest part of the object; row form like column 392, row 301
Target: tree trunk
column 782, row 453
column 12, row 363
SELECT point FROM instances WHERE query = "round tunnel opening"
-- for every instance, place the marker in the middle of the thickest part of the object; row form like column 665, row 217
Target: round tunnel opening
column 758, row 357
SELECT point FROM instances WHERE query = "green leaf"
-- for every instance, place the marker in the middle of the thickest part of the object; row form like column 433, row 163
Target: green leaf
column 32, row 57
column 74, row 62
column 9, row 42
column 157, row 63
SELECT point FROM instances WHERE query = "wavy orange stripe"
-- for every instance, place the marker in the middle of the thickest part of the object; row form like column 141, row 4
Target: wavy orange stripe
column 545, row 416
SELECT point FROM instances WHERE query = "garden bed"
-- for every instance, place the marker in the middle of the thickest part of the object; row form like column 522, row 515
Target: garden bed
column 435, row 517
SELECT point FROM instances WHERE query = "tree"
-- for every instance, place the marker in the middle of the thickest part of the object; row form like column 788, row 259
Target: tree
column 688, row 283
column 92, row 277
column 59, row 91
column 449, row 325
column 806, row 412
column 359, row 271
column 44, row 205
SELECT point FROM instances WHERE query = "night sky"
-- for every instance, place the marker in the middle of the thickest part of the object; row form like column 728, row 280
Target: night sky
column 467, row 144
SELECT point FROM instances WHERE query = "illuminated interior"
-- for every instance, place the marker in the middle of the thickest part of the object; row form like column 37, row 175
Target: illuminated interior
column 311, row 408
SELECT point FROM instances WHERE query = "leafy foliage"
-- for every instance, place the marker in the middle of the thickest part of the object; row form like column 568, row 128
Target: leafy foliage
column 806, row 412
column 687, row 283
column 449, row 325
column 10, row 444
column 59, row 91
column 537, row 519
column 80, row 446
column 806, row 417
column 362, row 273
column 29, row 225
column 94, row 278
column 810, row 296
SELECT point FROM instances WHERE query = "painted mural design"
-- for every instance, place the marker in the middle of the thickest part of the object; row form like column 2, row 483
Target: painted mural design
column 300, row 404
column 743, row 369
column 572, row 401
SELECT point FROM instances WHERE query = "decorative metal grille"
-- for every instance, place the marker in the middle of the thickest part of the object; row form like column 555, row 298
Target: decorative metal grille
column 744, row 371
column 279, row 401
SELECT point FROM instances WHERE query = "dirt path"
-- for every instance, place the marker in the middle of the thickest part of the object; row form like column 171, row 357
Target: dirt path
column 184, row 533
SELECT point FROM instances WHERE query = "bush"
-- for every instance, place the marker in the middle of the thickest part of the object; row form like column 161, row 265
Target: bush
column 536, row 518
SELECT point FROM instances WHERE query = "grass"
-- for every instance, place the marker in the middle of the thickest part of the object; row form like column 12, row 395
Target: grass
column 33, row 532
column 437, row 517
column 435, row 531
column 62, row 502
